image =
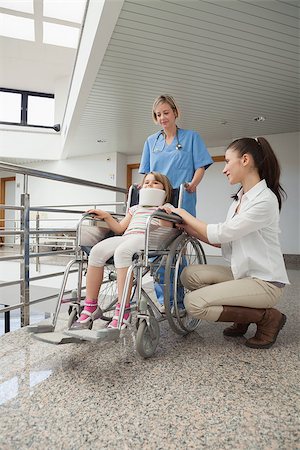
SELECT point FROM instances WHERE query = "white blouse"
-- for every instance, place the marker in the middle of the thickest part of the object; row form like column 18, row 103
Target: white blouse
column 250, row 238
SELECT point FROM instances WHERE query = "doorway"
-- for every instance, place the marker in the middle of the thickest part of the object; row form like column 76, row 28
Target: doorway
column 7, row 217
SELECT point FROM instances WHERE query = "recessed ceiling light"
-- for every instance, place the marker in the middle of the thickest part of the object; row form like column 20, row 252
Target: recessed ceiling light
column 259, row 119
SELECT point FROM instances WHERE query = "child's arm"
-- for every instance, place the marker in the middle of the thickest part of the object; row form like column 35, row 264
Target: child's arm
column 114, row 225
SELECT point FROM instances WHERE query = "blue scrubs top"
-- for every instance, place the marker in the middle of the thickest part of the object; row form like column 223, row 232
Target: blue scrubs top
column 179, row 165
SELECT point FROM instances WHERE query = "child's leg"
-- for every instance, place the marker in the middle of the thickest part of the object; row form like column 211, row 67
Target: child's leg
column 100, row 253
column 94, row 279
column 121, row 277
column 123, row 260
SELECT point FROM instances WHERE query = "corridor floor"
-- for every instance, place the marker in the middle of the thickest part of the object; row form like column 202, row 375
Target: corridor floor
column 197, row 392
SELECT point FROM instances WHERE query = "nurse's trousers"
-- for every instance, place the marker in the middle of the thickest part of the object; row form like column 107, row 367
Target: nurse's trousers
column 213, row 287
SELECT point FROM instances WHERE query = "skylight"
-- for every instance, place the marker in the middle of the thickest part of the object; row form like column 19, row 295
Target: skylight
column 25, row 6
column 16, row 27
column 71, row 11
column 60, row 35
column 55, row 18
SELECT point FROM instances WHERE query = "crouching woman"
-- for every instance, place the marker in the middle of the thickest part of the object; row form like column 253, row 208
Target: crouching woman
column 246, row 291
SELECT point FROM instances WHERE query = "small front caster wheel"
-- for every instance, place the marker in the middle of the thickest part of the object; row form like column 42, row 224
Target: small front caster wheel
column 147, row 337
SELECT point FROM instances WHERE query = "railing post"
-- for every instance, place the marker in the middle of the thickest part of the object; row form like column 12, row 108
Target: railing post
column 24, row 266
column 6, row 321
column 37, row 249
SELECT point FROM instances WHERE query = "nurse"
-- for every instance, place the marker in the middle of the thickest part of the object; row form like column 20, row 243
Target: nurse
column 179, row 154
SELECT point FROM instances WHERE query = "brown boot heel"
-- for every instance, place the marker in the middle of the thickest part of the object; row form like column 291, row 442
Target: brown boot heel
column 267, row 331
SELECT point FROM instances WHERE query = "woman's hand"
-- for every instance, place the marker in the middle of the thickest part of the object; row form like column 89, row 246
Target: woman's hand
column 99, row 213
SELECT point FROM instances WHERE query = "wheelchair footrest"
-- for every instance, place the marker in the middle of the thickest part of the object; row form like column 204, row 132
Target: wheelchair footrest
column 56, row 338
column 102, row 335
column 41, row 328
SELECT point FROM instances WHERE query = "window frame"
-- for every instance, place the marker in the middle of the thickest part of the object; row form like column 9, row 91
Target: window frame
column 24, row 107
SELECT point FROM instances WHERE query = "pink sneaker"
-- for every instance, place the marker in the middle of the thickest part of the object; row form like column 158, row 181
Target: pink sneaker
column 90, row 307
column 126, row 317
column 90, row 313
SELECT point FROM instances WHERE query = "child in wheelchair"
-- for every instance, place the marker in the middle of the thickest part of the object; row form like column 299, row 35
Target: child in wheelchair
column 130, row 238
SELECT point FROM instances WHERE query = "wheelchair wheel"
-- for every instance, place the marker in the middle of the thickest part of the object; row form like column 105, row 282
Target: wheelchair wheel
column 108, row 295
column 184, row 251
column 147, row 336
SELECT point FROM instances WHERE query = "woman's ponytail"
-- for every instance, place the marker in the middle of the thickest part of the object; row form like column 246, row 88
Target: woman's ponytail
column 269, row 170
column 265, row 161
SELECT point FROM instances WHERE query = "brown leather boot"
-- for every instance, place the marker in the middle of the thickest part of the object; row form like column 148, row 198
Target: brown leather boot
column 236, row 330
column 269, row 323
column 267, row 329
column 240, row 315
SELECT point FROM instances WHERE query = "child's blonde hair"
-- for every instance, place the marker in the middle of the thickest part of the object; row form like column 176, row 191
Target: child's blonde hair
column 165, row 182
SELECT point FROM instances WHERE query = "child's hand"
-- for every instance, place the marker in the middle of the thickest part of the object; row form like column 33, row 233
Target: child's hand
column 169, row 209
column 99, row 213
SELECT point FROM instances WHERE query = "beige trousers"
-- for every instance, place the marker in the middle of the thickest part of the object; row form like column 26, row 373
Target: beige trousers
column 213, row 286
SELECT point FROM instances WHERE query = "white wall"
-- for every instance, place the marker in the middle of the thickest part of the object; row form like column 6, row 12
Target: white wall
column 121, row 178
column 61, row 96
column 29, row 143
column 99, row 168
column 287, row 149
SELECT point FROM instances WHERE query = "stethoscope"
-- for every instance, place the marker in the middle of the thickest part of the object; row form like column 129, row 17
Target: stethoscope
column 162, row 133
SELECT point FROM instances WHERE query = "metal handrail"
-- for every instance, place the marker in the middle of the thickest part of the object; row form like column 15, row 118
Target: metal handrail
column 25, row 232
column 57, row 177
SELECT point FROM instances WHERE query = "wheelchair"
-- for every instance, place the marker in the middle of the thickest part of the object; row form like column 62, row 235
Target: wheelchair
column 166, row 252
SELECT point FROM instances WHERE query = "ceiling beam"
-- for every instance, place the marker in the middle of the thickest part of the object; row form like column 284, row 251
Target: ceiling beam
column 98, row 27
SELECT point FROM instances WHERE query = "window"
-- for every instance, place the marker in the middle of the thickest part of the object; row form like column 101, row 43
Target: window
column 25, row 108
column 55, row 34
column 17, row 27
column 10, row 107
column 57, row 22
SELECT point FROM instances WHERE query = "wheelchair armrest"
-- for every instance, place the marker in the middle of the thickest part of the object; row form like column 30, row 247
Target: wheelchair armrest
column 98, row 219
column 173, row 217
column 91, row 230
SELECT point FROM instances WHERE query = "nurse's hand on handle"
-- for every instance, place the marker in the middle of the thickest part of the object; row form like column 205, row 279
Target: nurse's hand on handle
column 198, row 175
column 190, row 187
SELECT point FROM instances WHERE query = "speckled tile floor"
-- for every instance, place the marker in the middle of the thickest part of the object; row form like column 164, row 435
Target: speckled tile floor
column 197, row 392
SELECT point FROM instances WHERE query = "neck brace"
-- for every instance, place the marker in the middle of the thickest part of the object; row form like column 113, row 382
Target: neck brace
column 151, row 197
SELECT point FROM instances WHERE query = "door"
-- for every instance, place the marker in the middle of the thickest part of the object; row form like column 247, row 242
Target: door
column 7, row 217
